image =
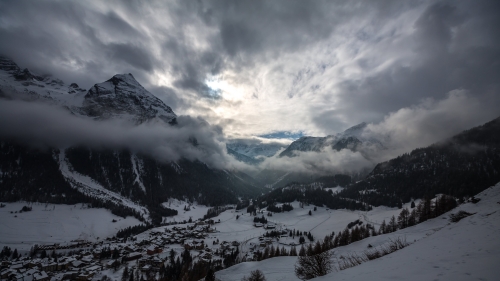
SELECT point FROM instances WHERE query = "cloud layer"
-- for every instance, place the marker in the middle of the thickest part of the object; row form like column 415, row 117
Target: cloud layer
column 42, row 126
column 295, row 66
column 418, row 71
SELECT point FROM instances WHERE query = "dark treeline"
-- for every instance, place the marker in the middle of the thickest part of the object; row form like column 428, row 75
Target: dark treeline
column 316, row 196
column 283, row 208
column 262, row 220
column 215, row 211
column 132, row 230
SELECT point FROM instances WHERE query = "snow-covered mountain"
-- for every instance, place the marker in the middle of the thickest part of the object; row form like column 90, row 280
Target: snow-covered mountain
column 124, row 181
column 352, row 139
column 255, row 149
column 123, row 97
column 120, row 97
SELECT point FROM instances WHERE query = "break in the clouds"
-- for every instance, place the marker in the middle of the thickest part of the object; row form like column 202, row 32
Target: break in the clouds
column 261, row 67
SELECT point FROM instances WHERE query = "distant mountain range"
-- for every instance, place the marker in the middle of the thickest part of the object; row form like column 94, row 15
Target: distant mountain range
column 252, row 151
column 352, row 139
column 461, row 166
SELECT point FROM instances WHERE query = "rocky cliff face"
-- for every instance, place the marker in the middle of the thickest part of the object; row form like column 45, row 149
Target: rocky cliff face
column 123, row 97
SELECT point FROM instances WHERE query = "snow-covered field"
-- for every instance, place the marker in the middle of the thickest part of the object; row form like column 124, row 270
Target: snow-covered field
column 439, row 250
column 195, row 211
column 56, row 224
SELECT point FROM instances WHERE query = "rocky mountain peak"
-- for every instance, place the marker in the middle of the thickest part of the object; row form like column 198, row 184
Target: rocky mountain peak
column 123, row 96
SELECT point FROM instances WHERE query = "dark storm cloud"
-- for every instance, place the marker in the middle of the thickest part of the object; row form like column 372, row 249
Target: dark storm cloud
column 133, row 55
column 70, row 41
column 456, row 46
column 304, row 51
column 255, row 27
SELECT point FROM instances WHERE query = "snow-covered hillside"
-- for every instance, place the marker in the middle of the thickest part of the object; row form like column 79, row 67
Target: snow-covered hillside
column 438, row 250
column 56, row 223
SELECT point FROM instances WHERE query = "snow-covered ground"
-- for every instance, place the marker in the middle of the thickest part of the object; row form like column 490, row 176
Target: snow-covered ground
column 90, row 187
column 439, row 250
column 56, row 224
column 195, row 211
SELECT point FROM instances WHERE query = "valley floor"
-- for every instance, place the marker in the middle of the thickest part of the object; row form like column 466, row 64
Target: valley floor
column 56, row 224
column 438, row 250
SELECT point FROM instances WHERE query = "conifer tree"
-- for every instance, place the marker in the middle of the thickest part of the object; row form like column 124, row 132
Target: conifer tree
column 383, row 227
column 393, row 226
column 302, row 251
column 125, row 274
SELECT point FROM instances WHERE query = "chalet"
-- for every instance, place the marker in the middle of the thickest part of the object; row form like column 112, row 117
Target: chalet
column 112, row 263
column 97, row 253
column 70, row 275
column 86, row 276
column 6, row 273
column 152, row 250
column 132, row 256
column 16, row 266
column 87, row 259
column 49, row 266
column 78, row 264
column 146, row 268
column 34, row 262
column 40, row 276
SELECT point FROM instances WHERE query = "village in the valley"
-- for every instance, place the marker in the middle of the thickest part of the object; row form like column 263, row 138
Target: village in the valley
column 231, row 234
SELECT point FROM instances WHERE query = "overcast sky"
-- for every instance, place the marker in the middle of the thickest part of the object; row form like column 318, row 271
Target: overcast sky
column 278, row 67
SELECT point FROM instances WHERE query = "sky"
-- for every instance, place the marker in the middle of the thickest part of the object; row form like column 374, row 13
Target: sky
column 416, row 70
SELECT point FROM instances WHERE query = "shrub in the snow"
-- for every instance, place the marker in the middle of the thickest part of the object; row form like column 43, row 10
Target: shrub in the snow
column 308, row 267
column 458, row 216
column 255, row 275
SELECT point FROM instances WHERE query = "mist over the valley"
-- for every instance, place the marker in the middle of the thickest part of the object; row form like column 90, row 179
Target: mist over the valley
column 43, row 125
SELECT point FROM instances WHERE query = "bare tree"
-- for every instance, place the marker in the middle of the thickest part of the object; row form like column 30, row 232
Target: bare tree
column 312, row 266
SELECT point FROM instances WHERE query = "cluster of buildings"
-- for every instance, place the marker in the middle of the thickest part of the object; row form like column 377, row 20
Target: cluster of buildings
column 148, row 254
column 77, row 267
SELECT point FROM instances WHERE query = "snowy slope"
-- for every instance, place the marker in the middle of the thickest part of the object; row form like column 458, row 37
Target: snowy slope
column 90, row 187
column 439, row 250
column 56, row 223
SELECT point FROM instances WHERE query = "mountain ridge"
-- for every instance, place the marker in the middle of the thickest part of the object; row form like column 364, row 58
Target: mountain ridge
column 128, row 183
